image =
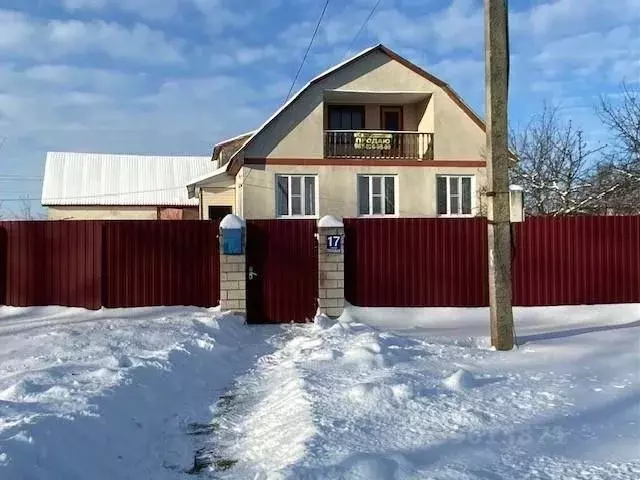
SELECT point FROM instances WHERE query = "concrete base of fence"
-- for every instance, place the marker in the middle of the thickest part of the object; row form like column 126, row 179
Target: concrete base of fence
column 331, row 266
column 233, row 291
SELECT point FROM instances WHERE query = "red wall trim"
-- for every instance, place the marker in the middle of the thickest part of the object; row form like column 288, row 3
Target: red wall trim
column 365, row 162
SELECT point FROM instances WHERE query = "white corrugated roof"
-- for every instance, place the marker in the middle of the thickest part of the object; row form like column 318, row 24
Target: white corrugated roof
column 104, row 179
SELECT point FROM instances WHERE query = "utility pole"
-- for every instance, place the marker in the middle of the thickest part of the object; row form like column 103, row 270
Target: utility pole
column 498, row 199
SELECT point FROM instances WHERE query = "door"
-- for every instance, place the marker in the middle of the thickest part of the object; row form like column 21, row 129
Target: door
column 282, row 271
column 343, row 121
column 218, row 212
column 391, row 120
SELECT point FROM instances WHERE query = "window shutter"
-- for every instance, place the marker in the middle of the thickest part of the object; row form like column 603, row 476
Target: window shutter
column 466, row 195
column 309, row 196
column 441, row 187
column 389, row 195
column 363, row 195
column 282, row 195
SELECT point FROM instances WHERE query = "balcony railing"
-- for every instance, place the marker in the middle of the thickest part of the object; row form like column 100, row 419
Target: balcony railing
column 378, row 144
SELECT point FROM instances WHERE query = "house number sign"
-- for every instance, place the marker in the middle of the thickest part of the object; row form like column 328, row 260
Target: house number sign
column 334, row 243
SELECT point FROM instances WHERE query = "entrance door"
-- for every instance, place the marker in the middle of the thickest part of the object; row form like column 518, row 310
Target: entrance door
column 391, row 120
column 282, row 271
column 217, row 212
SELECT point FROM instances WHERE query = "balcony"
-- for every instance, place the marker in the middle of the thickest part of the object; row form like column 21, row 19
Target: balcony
column 384, row 144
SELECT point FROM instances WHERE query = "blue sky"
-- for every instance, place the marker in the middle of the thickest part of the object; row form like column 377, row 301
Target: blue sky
column 176, row 76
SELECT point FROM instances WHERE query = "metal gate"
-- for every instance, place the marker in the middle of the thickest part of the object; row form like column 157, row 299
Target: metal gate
column 282, row 270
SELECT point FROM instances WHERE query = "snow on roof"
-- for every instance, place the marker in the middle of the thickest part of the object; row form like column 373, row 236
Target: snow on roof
column 205, row 178
column 232, row 222
column 237, row 137
column 329, row 221
column 105, row 179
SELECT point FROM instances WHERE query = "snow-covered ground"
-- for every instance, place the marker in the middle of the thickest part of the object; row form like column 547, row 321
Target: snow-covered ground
column 382, row 394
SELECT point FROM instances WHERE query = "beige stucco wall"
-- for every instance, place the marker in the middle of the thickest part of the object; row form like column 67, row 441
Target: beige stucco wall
column 102, row 213
column 298, row 131
column 218, row 196
column 337, row 188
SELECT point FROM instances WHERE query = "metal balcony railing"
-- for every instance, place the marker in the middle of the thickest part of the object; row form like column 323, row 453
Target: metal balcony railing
column 378, row 144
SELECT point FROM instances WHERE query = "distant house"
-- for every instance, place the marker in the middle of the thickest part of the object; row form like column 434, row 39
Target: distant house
column 373, row 136
column 94, row 186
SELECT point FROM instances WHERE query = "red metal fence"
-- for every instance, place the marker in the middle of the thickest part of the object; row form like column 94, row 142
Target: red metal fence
column 576, row 260
column 415, row 262
column 50, row 263
column 161, row 263
column 427, row 262
column 404, row 262
column 115, row 264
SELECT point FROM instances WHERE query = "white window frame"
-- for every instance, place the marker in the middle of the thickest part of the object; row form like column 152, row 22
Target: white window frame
column 473, row 195
column 302, row 177
column 396, row 197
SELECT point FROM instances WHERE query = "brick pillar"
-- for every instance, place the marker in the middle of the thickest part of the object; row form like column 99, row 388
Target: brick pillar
column 233, row 292
column 331, row 266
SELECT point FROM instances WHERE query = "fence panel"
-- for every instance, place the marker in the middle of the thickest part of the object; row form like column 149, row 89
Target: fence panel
column 416, row 262
column 50, row 263
column 576, row 260
column 161, row 263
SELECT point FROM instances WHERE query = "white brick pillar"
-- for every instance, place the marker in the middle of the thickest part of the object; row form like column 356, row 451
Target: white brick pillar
column 233, row 291
column 331, row 266
column 233, row 284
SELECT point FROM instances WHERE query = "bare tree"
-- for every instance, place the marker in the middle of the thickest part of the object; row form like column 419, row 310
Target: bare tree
column 555, row 165
column 618, row 177
column 25, row 211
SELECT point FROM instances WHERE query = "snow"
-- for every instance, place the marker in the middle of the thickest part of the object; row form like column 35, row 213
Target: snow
column 113, row 393
column 329, row 221
column 232, row 222
column 376, row 394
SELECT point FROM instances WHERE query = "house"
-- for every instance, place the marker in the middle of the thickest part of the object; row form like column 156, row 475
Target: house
column 93, row 186
column 375, row 135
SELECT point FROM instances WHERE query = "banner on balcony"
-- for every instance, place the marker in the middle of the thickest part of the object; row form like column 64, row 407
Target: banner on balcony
column 372, row 141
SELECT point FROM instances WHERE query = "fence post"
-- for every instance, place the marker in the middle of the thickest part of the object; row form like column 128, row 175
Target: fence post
column 330, row 266
column 233, row 284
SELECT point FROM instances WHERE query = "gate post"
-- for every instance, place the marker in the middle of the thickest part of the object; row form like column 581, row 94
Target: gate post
column 233, row 284
column 330, row 266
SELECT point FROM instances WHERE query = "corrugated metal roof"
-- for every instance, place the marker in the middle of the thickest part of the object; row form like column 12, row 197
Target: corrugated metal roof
column 105, row 179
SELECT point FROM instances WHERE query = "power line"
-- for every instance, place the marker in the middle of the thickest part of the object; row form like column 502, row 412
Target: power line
column 306, row 53
column 100, row 195
column 364, row 24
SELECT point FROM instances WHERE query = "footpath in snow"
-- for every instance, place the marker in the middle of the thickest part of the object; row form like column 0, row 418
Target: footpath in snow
column 431, row 400
column 382, row 394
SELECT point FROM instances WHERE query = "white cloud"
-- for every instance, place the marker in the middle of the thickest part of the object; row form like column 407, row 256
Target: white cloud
column 219, row 14
column 604, row 54
column 147, row 9
column 568, row 17
column 33, row 38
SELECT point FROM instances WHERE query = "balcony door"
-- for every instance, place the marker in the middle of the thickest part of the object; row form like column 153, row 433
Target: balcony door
column 391, row 120
column 346, row 117
column 343, row 120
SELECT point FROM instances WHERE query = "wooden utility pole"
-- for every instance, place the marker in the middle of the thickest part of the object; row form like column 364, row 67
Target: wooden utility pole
column 498, row 200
